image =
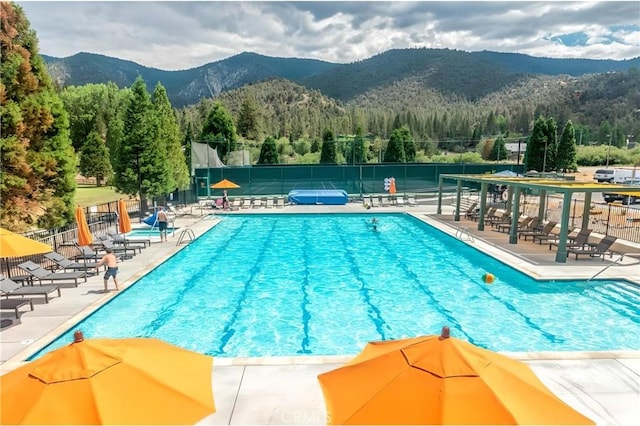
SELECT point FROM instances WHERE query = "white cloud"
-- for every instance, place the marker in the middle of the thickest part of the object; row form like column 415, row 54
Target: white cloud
column 179, row 35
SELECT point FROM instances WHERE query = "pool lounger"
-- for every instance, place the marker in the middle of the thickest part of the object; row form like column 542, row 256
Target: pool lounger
column 41, row 274
column 15, row 304
column 8, row 288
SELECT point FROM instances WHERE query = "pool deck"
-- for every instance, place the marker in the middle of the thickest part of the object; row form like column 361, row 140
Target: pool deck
column 604, row 386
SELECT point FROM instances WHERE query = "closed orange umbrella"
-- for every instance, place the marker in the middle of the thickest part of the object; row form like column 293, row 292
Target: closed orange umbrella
column 225, row 184
column 124, row 222
column 84, row 234
column 439, row 380
column 392, row 186
column 110, row 381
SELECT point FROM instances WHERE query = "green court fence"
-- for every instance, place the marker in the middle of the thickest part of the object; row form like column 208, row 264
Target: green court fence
column 356, row 180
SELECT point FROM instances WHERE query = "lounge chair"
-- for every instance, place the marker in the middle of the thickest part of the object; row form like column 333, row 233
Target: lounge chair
column 269, row 202
column 594, row 250
column 505, row 226
column 15, row 304
column 246, row 203
column 237, row 203
column 384, row 201
column 411, row 200
column 525, row 225
column 546, row 230
column 579, row 241
column 64, row 263
column 124, row 240
column 124, row 250
column 280, row 202
column 257, row 203
column 42, row 274
column 488, row 214
column 375, row 201
column 471, row 210
column 9, row 288
column 400, row 201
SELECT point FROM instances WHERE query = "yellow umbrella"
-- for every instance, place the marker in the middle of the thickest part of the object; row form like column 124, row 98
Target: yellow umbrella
column 110, row 381
column 15, row 245
column 439, row 380
column 124, row 222
column 225, row 184
column 84, row 234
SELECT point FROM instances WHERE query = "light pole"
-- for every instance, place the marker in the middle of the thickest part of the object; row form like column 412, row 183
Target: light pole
column 609, row 150
column 544, row 159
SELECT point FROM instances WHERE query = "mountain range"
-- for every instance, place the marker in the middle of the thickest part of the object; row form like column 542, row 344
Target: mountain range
column 465, row 75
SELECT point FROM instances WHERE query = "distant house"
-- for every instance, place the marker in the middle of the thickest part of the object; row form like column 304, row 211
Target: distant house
column 514, row 147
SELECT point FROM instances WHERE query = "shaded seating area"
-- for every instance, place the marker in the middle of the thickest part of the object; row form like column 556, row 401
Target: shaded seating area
column 599, row 249
column 580, row 240
column 545, row 231
column 9, row 288
column 42, row 274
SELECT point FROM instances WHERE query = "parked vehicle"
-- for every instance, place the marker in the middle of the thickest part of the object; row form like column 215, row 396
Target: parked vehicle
column 625, row 197
column 613, row 175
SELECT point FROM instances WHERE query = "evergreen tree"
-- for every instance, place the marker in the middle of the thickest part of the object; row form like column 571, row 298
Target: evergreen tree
column 37, row 183
column 249, row 124
column 219, row 131
column 186, row 145
column 269, row 152
column 395, row 148
column 169, row 135
column 355, row 154
column 566, row 157
column 94, row 159
column 141, row 167
column 329, row 153
column 499, row 150
column 534, row 154
column 551, row 132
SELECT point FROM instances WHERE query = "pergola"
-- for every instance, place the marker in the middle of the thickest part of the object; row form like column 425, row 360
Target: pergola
column 544, row 186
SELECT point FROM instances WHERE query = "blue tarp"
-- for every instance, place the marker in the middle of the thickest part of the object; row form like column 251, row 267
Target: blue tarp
column 318, row 196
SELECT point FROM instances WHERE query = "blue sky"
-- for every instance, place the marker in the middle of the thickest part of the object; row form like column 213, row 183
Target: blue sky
column 180, row 35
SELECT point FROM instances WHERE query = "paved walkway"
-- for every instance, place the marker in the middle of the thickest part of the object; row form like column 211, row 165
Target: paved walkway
column 284, row 390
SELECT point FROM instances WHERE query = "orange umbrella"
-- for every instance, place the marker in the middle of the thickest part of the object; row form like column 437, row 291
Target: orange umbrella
column 392, row 186
column 225, row 184
column 14, row 245
column 110, row 381
column 84, row 234
column 439, row 380
column 124, row 222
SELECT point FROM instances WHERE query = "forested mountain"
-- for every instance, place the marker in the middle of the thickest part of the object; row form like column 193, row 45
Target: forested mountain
column 467, row 75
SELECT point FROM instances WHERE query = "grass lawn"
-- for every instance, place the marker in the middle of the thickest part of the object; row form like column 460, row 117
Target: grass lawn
column 91, row 195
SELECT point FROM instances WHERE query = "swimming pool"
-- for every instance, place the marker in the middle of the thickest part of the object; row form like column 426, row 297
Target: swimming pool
column 283, row 284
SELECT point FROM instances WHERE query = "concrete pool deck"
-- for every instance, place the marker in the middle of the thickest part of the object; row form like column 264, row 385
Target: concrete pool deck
column 604, row 386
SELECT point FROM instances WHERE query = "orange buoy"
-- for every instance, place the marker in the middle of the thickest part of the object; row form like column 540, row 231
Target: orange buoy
column 488, row 278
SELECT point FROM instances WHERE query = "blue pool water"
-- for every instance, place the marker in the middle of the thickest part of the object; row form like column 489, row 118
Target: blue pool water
column 282, row 285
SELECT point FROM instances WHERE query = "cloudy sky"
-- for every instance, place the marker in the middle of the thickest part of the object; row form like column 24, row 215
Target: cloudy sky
column 180, row 35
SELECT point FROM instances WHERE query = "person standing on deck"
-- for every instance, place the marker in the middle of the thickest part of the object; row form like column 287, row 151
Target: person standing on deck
column 162, row 224
column 111, row 262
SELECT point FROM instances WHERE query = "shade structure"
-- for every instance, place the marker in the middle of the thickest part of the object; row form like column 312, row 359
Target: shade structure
column 110, row 381
column 225, row 184
column 124, row 222
column 84, row 234
column 14, row 245
column 439, row 380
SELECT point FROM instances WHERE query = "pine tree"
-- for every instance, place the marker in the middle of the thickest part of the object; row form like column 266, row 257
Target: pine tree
column 249, row 124
column 395, row 148
column 141, row 167
column 534, row 154
column 551, row 132
column 499, row 150
column 94, row 159
column 269, row 152
column 219, row 130
column 169, row 135
column 37, row 183
column 329, row 154
column 566, row 157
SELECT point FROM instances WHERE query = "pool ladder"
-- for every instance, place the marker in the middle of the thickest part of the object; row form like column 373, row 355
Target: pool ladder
column 463, row 233
column 186, row 236
column 615, row 262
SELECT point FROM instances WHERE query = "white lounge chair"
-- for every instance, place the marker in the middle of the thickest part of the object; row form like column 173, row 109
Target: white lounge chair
column 269, row 203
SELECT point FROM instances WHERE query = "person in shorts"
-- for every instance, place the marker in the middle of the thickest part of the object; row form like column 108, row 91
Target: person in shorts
column 111, row 262
column 162, row 224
